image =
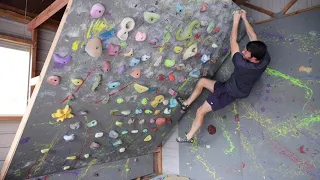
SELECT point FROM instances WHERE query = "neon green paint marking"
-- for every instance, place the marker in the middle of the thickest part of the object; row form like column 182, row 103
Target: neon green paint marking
column 212, row 172
column 53, row 122
column 126, row 166
column 91, row 163
column 294, row 81
column 226, row 134
column 183, row 84
column 306, row 121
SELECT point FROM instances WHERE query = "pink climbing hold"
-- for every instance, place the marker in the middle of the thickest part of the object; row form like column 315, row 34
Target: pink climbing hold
column 204, row 7
column 217, row 29
column 136, row 73
column 141, row 36
column 161, row 121
column 106, row 66
column 54, row 80
column 182, row 79
column 172, row 92
column 97, row 11
column 113, row 49
column 153, row 42
column 161, row 77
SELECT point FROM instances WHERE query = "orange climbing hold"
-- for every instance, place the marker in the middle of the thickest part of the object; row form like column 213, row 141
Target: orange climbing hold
column 136, row 73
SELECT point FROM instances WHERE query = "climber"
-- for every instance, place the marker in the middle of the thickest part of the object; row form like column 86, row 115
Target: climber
column 249, row 66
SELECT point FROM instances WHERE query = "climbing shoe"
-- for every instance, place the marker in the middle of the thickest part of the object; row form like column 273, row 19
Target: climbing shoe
column 184, row 139
column 180, row 100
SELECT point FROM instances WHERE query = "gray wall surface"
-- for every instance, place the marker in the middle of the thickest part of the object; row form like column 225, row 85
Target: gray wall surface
column 42, row 131
column 277, row 137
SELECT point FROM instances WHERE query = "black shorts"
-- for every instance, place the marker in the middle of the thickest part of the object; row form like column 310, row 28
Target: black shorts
column 220, row 98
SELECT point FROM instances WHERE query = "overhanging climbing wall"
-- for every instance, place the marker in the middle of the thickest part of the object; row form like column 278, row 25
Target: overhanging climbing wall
column 274, row 133
column 108, row 93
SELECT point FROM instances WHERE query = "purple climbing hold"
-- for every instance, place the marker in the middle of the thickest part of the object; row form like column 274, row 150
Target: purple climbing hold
column 122, row 69
column 152, row 121
column 24, row 140
column 97, row 10
column 62, row 60
column 113, row 49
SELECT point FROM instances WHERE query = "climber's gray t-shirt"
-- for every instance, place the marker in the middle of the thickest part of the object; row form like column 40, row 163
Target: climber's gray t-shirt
column 245, row 74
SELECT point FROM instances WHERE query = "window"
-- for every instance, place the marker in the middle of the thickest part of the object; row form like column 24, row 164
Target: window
column 14, row 78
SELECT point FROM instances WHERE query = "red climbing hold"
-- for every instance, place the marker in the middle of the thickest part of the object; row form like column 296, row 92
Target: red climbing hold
column 171, row 77
column 212, row 129
column 161, row 77
column 197, row 36
column 169, row 120
column 217, row 29
column 198, row 55
column 154, row 129
column 161, row 121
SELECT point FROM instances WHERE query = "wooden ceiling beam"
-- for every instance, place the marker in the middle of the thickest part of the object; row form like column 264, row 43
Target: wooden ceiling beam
column 288, row 6
column 259, row 9
column 47, row 13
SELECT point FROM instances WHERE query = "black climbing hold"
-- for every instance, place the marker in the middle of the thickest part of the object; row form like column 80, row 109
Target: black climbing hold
column 96, row 174
column 156, row 3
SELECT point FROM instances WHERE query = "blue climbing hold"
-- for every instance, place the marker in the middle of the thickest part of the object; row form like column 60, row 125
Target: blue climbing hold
column 179, row 8
column 138, row 111
column 205, row 58
column 107, row 35
column 195, row 73
column 173, row 103
column 112, row 85
column 152, row 89
column 134, row 62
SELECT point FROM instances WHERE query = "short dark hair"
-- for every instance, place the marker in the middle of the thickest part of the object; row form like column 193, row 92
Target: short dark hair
column 257, row 48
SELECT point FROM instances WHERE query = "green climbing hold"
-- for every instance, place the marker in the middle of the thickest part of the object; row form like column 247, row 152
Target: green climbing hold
column 167, row 34
column 144, row 101
column 120, row 100
column 113, row 112
column 96, row 83
column 92, row 123
column 123, row 44
column 117, row 143
column 151, row 17
column 124, row 132
column 145, row 130
column 169, row 63
column 148, row 138
column 187, row 35
column 148, row 111
column 119, row 123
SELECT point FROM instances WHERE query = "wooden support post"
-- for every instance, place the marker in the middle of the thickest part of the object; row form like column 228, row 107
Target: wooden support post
column 25, row 118
column 267, row 12
column 47, row 13
column 159, row 157
column 33, row 57
column 288, row 6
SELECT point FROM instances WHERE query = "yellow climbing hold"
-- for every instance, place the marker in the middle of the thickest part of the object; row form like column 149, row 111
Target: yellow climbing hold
column 157, row 100
column 120, row 100
column 119, row 123
column 148, row 138
column 157, row 112
column 128, row 54
column 140, row 89
column 177, row 49
column 71, row 157
column 86, row 156
column 75, row 45
column 77, row 82
column 44, row 150
column 63, row 114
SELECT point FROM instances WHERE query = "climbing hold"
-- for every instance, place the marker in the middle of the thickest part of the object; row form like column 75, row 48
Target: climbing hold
column 161, row 77
column 195, row 73
column 75, row 125
column 153, row 42
column 153, row 89
column 154, row 129
column 66, row 167
column 119, row 123
column 169, row 63
column 97, row 10
column 62, row 114
column 157, row 112
column 113, row 134
column 105, row 100
column 172, row 92
column 117, row 143
column 158, row 99
column 205, row 58
column 217, row 29
column 44, row 151
column 131, row 121
column 187, row 35
column 180, row 67
column 161, row 121
column 134, row 131
column 210, row 27
column 62, row 60
column 129, row 53
column 151, row 17
column 92, row 123
column 141, row 121
column 191, row 51
column 138, row 111
column 141, row 36
column 136, row 73
column 145, row 130
column 204, row 7
column 82, row 113
column 106, row 66
column 71, row 158
column 148, row 138
column 122, row 150
column 188, row 15
column 214, row 45
column 165, row 102
column 177, row 49
column 113, row 112
column 98, row 135
column 120, row 100
column 182, row 79
column 144, row 101
column 96, row 83
column 127, row 112
column 167, row 111
column 188, row 68
column 126, row 25
column 54, row 80
column 145, row 57
column 179, row 8
column 152, row 121
column 112, row 85
column 158, row 61
column 204, row 23
column 173, row 103
column 140, row 89
column 94, row 145
column 124, row 132
column 113, row 49
column 134, row 62
column 171, row 77
column 122, row 69
column 211, row 129
column 86, row 156
column 94, row 47
column 148, row 111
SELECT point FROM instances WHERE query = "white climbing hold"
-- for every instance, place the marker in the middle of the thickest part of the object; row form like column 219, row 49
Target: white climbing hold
column 167, row 111
column 208, row 146
column 165, row 102
column 98, row 135
column 158, row 61
column 134, row 131
column 130, row 121
column 127, row 112
column 75, row 125
column 68, row 138
column 141, row 121
column 113, row 134
column 191, row 51
column 204, row 23
column 66, row 167
column 214, row 45
column 122, row 150
column 44, row 151
column 126, row 25
column 86, row 156
column 145, row 57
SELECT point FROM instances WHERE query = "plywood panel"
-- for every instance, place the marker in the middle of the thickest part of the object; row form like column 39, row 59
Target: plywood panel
column 6, row 139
